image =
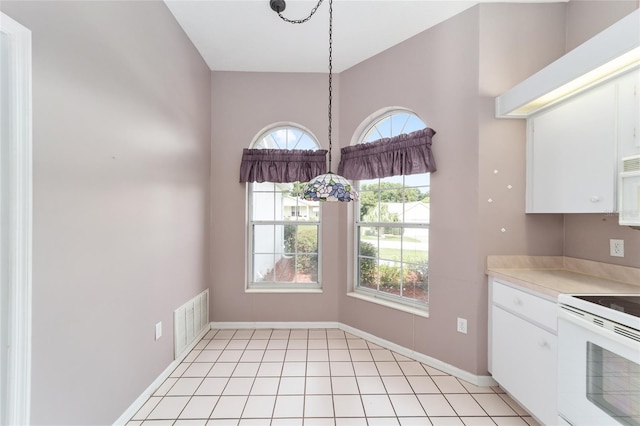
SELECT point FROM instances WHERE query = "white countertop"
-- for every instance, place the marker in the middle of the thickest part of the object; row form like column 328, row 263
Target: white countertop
column 555, row 275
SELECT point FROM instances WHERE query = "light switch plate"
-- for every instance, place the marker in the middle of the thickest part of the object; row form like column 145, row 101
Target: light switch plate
column 158, row 330
column 462, row 326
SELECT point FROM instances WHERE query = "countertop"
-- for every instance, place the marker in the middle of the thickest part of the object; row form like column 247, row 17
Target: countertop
column 553, row 275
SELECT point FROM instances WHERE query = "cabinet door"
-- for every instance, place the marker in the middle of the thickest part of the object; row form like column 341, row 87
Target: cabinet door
column 628, row 115
column 571, row 155
column 524, row 363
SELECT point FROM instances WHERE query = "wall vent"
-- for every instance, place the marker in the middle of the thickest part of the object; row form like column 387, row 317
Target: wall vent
column 188, row 322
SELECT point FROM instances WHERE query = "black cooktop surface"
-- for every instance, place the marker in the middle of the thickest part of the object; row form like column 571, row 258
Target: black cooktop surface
column 629, row 304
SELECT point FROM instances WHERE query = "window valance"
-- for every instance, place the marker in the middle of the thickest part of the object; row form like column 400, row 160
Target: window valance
column 282, row 165
column 405, row 154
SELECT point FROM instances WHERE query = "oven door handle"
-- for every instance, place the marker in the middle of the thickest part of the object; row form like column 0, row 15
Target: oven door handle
column 564, row 315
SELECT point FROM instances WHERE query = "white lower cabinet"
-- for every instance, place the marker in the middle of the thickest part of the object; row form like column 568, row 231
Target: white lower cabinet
column 523, row 348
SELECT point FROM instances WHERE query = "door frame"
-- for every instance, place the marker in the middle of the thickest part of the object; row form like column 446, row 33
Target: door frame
column 15, row 399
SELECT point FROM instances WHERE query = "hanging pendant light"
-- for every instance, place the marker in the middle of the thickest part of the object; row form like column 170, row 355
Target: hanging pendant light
column 328, row 186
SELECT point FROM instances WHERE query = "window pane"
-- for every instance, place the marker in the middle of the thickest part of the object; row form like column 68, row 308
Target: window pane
column 263, row 239
column 368, row 241
column 307, row 268
column 384, row 127
column 261, row 144
column 280, row 138
column 278, row 237
column 393, row 180
column 399, row 123
column 420, row 179
column 369, row 206
column 263, row 265
column 289, row 201
column 263, row 206
column 415, row 245
column 416, row 282
column 293, row 136
column 413, row 124
column 367, row 272
column 310, row 211
column 290, row 238
column 370, row 185
column 391, row 243
column 263, row 187
column 390, row 277
column 270, row 142
column 306, row 143
column 307, row 239
column 416, row 211
column 286, row 269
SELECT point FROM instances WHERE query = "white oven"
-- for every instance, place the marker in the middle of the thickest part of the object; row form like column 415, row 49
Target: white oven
column 599, row 360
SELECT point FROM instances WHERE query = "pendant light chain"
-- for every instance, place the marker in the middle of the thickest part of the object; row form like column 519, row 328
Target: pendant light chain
column 327, row 186
column 302, row 21
column 330, row 73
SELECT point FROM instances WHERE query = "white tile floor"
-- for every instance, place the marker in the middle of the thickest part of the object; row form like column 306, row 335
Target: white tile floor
column 316, row 377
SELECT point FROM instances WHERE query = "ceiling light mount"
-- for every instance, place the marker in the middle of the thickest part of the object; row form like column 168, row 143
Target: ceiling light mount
column 278, row 5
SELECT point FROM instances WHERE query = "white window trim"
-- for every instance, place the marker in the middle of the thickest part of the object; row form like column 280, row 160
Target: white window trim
column 353, row 289
column 268, row 287
column 17, row 400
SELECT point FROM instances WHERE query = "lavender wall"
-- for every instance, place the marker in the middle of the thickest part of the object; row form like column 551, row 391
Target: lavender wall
column 244, row 103
column 450, row 75
column 121, row 147
column 586, row 236
column 586, row 18
column 436, row 75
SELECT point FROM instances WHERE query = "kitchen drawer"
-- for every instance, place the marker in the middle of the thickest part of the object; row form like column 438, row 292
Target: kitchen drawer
column 532, row 308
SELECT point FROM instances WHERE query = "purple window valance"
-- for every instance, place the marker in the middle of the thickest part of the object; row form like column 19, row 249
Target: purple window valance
column 282, row 165
column 405, row 154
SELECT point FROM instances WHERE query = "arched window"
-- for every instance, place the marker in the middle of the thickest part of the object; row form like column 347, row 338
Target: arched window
column 392, row 223
column 284, row 230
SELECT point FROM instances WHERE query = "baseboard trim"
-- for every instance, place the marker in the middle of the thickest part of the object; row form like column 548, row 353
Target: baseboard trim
column 275, row 325
column 139, row 402
column 425, row 359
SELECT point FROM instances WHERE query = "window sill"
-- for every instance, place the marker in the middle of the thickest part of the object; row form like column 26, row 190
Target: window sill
column 390, row 304
column 284, row 290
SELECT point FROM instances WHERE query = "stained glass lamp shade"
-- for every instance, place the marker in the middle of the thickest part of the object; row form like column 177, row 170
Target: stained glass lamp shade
column 329, row 187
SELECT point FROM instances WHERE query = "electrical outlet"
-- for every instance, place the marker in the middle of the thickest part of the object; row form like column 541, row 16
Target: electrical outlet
column 158, row 330
column 616, row 248
column 462, row 326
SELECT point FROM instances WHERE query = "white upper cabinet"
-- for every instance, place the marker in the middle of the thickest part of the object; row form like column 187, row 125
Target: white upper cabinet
column 628, row 115
column 571, row 155
column 575, row 148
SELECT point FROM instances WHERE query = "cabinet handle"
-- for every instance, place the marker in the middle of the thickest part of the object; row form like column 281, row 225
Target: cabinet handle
column 543, row 344
column 517, row 301
column 595, row 199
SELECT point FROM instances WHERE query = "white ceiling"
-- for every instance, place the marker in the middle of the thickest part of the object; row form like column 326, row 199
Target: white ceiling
column 246, row 35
